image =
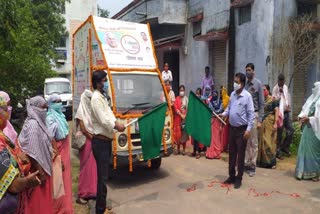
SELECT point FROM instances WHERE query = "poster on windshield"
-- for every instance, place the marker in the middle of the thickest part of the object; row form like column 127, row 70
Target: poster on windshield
column 125, row 45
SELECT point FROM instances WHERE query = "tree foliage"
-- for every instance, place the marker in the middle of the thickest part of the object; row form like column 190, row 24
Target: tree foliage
column 297, row 41
column 29, row 32
column 103, row 12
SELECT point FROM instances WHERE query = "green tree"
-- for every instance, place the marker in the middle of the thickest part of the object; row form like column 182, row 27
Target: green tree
column 103, row 12
column 29, row 32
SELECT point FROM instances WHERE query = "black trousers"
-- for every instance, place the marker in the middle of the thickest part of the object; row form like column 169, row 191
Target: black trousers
column 101, row 152
column 287, row 124
column 237, row 151
column 196, row 146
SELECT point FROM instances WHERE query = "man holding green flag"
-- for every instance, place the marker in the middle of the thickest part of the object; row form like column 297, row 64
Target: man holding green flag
column 151, row 131
column 198, row 120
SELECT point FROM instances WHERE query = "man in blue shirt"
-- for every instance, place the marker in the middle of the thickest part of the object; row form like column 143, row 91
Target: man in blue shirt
column 240, row 113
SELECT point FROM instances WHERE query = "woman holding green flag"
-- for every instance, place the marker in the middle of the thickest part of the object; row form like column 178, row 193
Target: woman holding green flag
column 180, row 112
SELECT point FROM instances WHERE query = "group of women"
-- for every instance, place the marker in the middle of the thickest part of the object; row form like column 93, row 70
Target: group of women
column 216, row 104
column 32, row 163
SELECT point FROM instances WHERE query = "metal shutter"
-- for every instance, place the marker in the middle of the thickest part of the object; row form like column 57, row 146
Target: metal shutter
column 219, row 63
column 298, row 95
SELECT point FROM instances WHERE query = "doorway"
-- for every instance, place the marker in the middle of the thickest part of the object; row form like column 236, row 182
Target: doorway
column 172, row 58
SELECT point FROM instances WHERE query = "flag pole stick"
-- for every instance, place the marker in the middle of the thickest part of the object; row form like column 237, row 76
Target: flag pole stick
column 133, row 121
column 222, row 121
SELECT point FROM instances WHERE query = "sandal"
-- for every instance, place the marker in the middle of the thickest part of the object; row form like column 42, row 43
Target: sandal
column 81, row 201
column 198, row 156
column 177, row 153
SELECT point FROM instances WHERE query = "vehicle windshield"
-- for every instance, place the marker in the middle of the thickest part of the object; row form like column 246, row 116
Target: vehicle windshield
column 137, row 91
column 58, row 88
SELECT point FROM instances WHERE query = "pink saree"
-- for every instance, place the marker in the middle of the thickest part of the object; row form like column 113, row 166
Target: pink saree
column 63, row 205
column 37, row 200
column 216, row 147
column 88, row 173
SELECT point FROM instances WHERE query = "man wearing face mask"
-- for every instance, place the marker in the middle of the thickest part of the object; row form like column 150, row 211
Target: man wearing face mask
column 255, row 88
column 240, row 112
column 104, row 122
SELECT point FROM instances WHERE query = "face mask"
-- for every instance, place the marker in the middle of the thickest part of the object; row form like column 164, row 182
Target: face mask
column 215, row 97
column 56, row 106
column 236, row 86
column 42, row 114
column 249, row 75
column 181, row 93
column 105, row 86
column 9, row 111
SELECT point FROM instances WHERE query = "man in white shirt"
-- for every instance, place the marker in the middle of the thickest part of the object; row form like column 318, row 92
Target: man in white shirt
column 281, row 92
column 104, row 123
column 167, row 74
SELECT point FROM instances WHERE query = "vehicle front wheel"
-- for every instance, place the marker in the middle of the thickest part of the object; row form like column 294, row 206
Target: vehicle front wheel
column 155, row 163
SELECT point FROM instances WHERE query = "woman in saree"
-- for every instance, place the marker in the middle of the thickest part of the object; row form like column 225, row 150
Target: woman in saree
column 87, row 188
column 180, row 112
column 216, row 147
column 9, row 130
column 308, row 161
column 59, row 130
column 225, row 102
column 35, row 141
column 268, row 136
column 12, row 180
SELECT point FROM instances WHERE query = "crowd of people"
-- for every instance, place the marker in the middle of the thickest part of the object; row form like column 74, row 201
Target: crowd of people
column 256, row 118
column 35, row 166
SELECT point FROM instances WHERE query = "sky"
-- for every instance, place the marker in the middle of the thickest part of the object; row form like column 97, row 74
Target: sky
column 114, row 6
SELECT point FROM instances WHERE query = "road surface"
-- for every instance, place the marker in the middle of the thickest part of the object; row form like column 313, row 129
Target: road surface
column 186, row 185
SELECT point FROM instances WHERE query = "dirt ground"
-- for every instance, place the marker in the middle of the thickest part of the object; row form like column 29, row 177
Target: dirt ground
column 288, row 164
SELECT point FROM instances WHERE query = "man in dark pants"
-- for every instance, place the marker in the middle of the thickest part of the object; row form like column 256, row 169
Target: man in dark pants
column 104, row 122
column 240, row 112
column 281, row 92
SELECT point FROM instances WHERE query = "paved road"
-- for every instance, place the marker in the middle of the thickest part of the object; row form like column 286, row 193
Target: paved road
column 165, row 190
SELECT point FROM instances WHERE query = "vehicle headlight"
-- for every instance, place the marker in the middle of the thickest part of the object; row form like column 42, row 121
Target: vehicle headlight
column 167, row 134
column 122, row 140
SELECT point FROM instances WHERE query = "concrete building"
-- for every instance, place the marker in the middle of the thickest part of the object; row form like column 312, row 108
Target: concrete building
column 257, row 34
column 224, row 35
column 76, row 11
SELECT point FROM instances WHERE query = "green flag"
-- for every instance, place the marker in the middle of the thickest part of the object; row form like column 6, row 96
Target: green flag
column 198, row 120
column 151, row 129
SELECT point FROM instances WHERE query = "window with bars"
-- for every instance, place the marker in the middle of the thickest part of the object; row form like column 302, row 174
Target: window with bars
column 244, row 14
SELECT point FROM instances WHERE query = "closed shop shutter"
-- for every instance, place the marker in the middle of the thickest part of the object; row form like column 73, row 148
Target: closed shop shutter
column 219, row 62
column 298, row 96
